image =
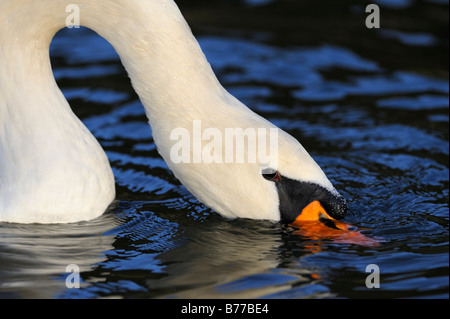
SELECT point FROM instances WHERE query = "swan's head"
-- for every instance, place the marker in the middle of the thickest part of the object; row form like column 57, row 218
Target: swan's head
column 299, row 181
column 278, row 186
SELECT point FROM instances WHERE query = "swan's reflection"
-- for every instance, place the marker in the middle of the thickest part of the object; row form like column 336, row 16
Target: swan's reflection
column 33, row 258
column 177, row 256
column 134, row 253
column 238, row 259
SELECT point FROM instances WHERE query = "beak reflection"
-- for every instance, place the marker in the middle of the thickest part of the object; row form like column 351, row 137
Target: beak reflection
column 315, row 223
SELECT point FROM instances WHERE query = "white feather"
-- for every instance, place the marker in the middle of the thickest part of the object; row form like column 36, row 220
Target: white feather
column 52, row 170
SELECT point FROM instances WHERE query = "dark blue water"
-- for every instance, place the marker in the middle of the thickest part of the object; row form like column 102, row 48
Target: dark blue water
column 372, row 108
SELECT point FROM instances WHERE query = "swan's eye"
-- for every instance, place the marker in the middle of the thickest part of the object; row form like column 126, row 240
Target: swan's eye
column 271, row 175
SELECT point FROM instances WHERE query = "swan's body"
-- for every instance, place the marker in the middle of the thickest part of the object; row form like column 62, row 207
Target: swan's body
column 53, row 170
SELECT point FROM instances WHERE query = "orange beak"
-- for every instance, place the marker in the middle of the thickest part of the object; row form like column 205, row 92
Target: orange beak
column 315, row 223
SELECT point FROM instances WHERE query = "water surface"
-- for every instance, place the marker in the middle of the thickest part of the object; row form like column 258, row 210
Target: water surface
column 371, row 106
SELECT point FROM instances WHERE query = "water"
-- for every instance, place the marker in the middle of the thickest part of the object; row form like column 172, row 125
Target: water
column 373, row 113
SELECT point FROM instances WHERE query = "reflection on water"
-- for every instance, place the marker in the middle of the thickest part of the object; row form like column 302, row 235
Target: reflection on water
column 376, row 123
column 34, row 257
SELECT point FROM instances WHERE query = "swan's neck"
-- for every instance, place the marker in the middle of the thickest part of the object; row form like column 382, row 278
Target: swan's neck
column 44, row 149
column 166, row 65
column 152, row 38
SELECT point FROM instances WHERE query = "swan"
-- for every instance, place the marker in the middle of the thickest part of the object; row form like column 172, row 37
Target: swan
column 53, row 170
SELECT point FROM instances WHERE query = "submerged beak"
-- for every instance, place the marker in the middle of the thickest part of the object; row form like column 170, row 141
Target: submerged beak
column 315, row 223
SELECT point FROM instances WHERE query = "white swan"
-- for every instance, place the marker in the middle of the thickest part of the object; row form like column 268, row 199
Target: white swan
column 52, row 170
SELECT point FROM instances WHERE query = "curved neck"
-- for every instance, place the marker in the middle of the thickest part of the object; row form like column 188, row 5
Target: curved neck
column 151, row 37
column 166, row 65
